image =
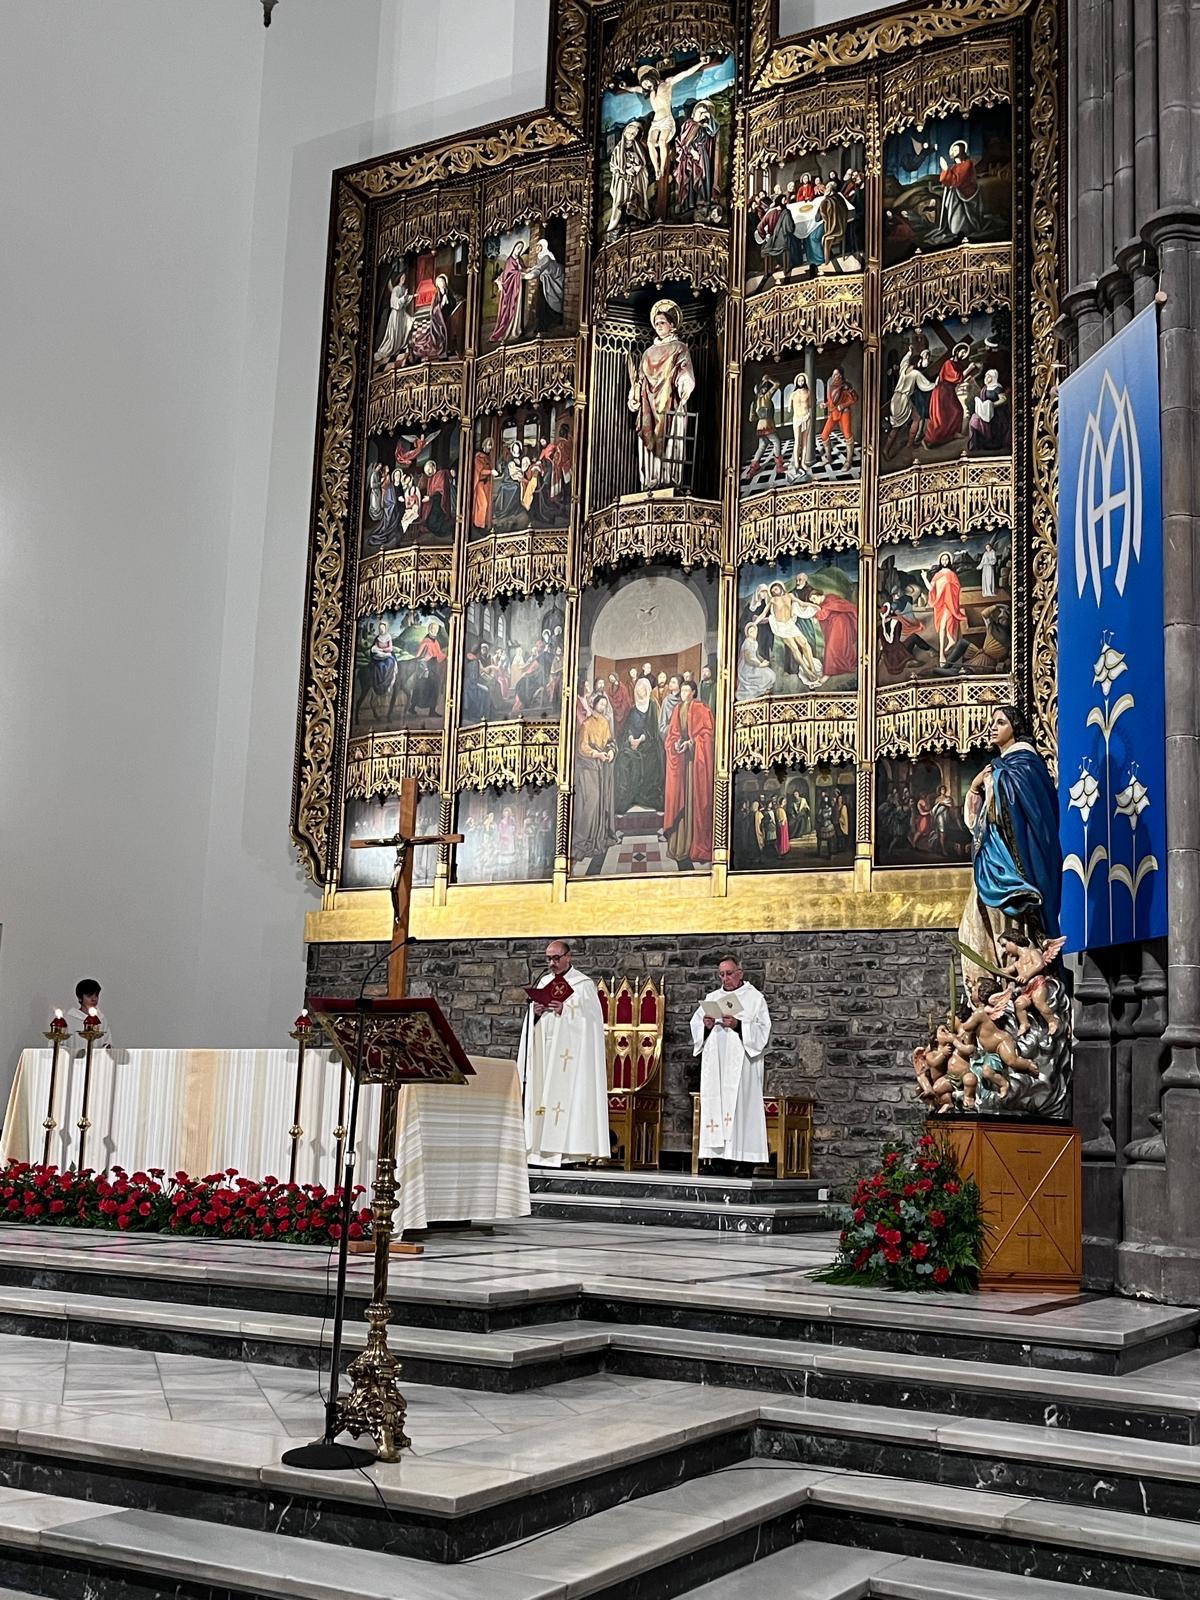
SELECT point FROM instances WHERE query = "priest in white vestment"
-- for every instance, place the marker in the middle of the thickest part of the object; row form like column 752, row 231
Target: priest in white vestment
column 730, row 1032
column 562, row 1068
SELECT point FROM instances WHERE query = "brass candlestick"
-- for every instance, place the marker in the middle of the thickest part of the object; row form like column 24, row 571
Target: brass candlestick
column 301, row 1033
column 89, row 1033
column 375, row 1404
column 57, row 1035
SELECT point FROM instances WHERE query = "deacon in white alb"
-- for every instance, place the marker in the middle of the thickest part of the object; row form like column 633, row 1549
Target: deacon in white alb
column 561, row 1063
column 730, row 1031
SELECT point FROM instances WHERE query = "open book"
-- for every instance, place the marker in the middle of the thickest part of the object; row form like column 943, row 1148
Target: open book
column 557, row 989
column 726, row 1004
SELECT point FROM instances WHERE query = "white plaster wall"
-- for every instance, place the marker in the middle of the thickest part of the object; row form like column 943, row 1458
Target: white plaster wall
column 165, row 190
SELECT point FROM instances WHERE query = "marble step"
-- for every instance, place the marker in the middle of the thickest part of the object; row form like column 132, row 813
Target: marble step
column 714, row 1216
column 610, row 1182
column 454, row 1501
column 669, row 1543
column 447, row 1505
column 511, row 1360
column 1146, row 1405
column 598, row 1283
column 815, row 1571
column 1139, row 1405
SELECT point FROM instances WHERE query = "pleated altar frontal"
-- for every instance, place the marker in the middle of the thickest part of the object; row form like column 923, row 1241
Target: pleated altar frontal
column 460, row 1149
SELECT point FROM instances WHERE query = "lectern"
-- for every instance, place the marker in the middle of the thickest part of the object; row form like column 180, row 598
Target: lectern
column 391, row 1042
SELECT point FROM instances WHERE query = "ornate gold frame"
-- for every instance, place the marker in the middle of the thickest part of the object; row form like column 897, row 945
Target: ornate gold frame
column 800, row 92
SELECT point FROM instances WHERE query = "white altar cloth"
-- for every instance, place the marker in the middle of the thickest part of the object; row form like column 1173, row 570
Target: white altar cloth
column 460, row 1150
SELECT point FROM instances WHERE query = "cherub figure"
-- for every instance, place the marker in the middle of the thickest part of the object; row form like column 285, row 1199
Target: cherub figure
column 1028, row 965
column 944, row 1070
column 982, row 1025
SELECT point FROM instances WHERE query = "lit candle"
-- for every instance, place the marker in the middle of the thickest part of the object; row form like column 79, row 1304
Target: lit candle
column 303, row 1021
column 58, row 1023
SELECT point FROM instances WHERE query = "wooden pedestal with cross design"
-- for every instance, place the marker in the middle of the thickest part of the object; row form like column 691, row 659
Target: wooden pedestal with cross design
column 1029, row 1175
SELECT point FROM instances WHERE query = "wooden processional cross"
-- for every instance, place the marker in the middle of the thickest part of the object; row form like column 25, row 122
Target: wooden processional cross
column 403, row 842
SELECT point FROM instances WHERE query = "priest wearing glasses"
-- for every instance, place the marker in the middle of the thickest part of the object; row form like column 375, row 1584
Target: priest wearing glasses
column 731, row 1028
column 562, row 1066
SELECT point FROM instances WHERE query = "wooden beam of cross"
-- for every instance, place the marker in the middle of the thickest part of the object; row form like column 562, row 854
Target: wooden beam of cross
column 403, row 841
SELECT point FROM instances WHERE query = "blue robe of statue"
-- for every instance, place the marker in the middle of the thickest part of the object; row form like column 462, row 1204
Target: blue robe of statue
column 1018, row 858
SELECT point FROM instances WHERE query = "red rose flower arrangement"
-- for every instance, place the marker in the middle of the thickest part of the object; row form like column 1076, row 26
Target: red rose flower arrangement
column 221, row 1205
column 913, row 1224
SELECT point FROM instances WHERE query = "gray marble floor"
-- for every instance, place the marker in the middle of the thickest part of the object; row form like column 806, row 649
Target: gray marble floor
column 96, row 1380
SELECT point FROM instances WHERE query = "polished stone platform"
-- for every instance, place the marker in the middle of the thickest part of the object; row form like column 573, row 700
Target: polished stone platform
column 717, row 1204
column 596, row 1431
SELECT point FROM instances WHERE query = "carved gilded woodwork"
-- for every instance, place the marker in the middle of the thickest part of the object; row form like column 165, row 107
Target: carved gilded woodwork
column 665, row 253
column 812, row 311
column 953, row 497
column 569, row 36
column 540, row 166
column 952, row 283
column 313, row 822
column 979, row 73
column 399, row 578
column 799, row 522
column 954, row 714
column 810, row 120
column 422, row 222
column 651, row 528
column 884, row 35
column 650, row 29
column 431, row 390
column 1042, row 647
column 541, row 370
column 506, row 754
column 530, row 561
column 810, row 728
column 459, row 158
column 555, row 187
column 377, row 763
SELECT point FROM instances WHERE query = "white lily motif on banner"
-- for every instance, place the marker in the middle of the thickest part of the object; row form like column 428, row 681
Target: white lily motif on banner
column 1082, row 797
column 1109, row 666
column 1133, row 799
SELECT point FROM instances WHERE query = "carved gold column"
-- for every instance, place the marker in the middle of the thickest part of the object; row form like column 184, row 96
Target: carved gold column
column 735, row 309
column 864, row 788
column 456, row 644
column 580, row 507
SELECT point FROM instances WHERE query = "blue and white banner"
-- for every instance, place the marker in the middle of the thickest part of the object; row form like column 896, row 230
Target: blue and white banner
column 1111, row 689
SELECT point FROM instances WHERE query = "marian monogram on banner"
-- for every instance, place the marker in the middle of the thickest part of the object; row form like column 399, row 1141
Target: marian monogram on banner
column 1112, row 719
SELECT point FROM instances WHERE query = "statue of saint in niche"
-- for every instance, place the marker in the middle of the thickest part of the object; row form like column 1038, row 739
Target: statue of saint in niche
column 660, row 386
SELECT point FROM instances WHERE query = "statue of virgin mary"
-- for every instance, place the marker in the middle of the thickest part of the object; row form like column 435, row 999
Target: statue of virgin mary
column 1012, row 811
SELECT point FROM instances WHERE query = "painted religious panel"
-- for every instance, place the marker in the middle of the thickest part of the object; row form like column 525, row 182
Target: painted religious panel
column 802, row 419
column 411, row 488
column 380, row 819
column 797, row 626
column 523, row 469
column 514, row 660
column 793, row 817
column 508, row 835
column 645, row 725
column 530, row 289
column 420, row 308
column 919, row 820
column 945, row 607
column 948, row 390
column 400, row 670
column 665, row 139
column 947, row 182
column 807, row 216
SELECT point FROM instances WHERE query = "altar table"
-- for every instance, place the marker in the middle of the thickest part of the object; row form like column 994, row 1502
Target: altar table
column 460, row 1150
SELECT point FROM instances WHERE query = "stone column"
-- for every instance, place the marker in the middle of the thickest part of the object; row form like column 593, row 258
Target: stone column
column 1165, row 1199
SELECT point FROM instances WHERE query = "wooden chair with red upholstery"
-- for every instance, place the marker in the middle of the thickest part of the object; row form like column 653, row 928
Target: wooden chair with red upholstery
column 634, row 1019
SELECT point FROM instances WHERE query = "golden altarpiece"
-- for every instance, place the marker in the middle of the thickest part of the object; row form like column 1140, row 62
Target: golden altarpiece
column 684, row 492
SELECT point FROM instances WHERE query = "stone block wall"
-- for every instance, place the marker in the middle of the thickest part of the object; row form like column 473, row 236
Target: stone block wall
column 847, row 1010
